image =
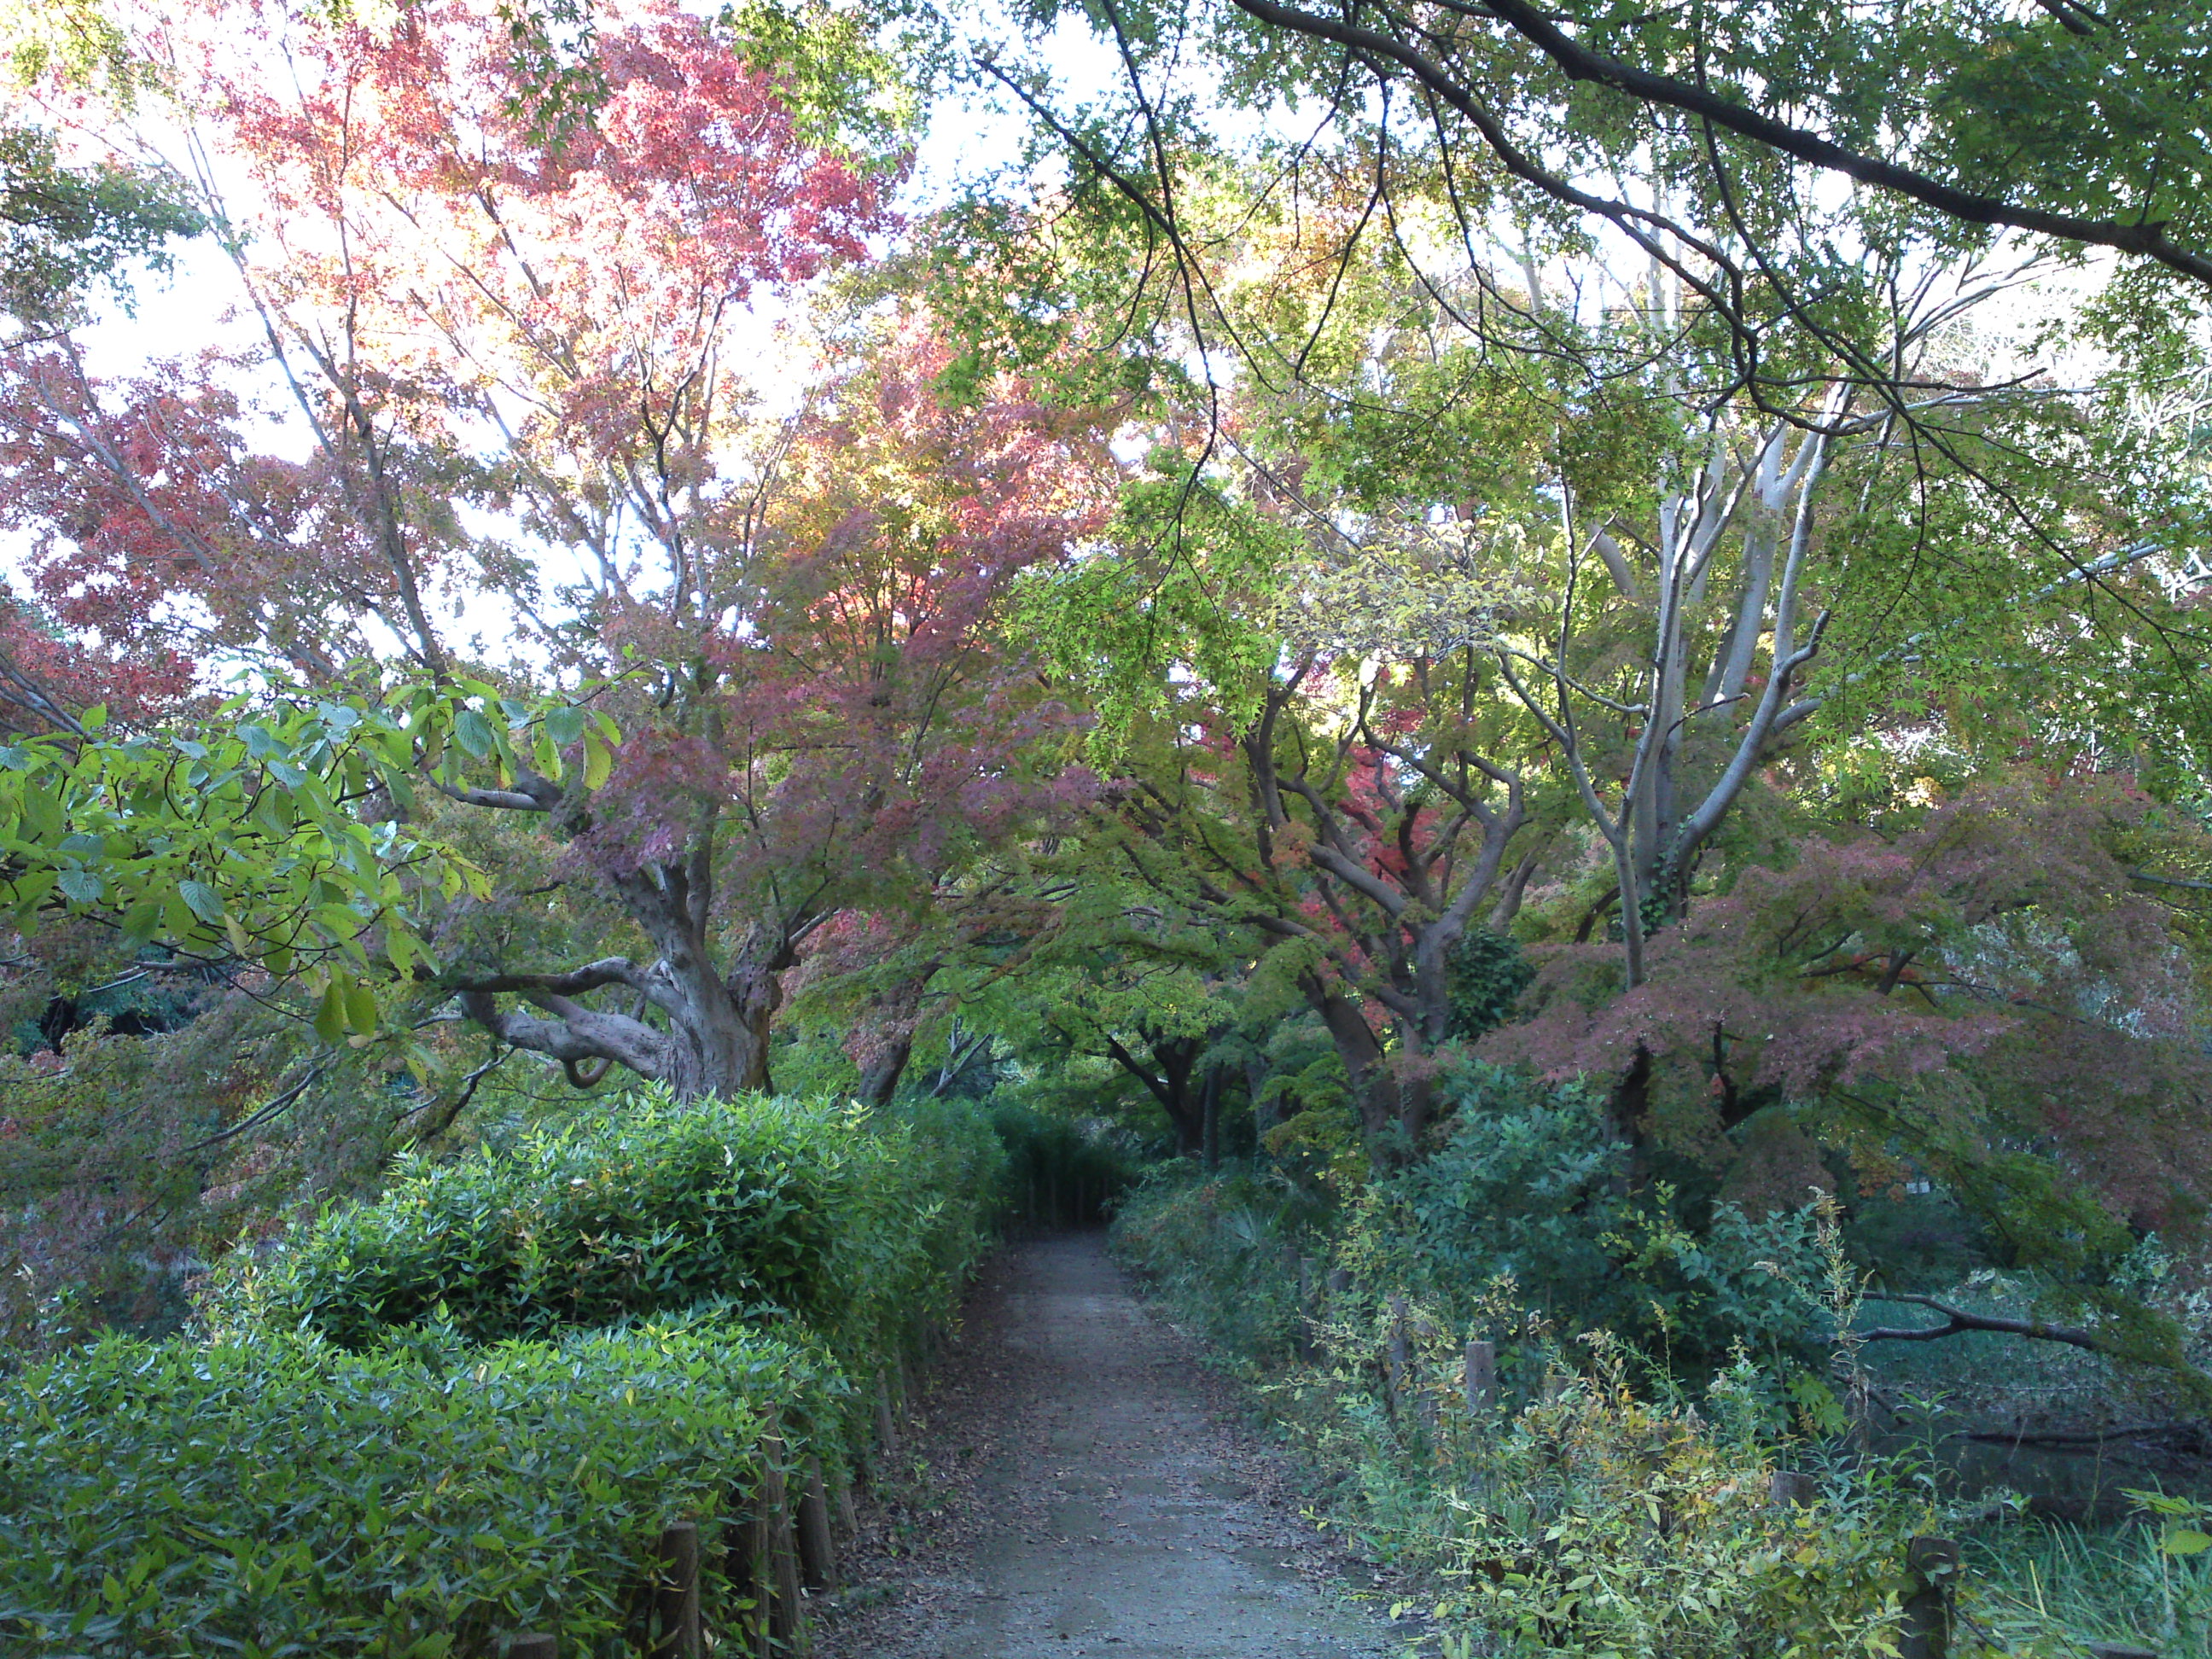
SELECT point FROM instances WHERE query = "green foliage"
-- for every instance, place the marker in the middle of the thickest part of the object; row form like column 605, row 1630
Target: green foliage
column 1528, row 1187
column 1487, row 974
column 1600, row 1523
column 1222, row 1252
column 471, row 1405
column 250, row 839
column 62, row 228
column 1057, row 1173
column 646, row 1206
column 269, row 1495
column 2130, row 1585
column 1587, row 1514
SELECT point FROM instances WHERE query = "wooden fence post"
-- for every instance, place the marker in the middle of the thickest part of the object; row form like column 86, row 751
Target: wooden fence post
column 676, row 1596
column 1302, row 1341
column 751, row 1579
column 532, row 1644
column 1786, row 1489
column 1932, row 1564
column 817, row 1560
column 886, row 1423
column 780, row 1565
column 1399, row 1355
column 1481, row 1379
column 840, row 1497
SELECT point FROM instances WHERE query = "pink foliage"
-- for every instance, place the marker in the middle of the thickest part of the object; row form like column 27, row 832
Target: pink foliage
column 859, row 725
column 1989, row 970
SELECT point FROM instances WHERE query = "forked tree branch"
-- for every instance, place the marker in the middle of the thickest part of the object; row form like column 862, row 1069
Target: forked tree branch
column 1959, row 1320
column 2146, row 237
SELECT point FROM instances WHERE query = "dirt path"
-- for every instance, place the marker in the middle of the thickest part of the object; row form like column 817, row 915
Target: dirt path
column 1075, row 1489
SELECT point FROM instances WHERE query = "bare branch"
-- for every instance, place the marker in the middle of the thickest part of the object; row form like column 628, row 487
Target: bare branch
column 1959, row 1320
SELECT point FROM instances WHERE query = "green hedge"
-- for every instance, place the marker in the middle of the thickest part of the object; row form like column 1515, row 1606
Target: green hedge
column 472, row 1406
column 855, row 1226
column 160, row 1500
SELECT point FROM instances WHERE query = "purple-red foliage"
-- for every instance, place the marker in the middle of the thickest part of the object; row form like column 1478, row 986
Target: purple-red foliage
column 1990, row 981
column 857, row 723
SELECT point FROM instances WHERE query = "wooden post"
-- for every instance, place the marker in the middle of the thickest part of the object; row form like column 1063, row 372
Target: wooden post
column 532, row 1644
column 1481, row 1379
column 1932, row 1565
column 747, row 1569
column 1303, row 1330
column 841, row 1499
column 1786, row 1489
column 817, row 1560
column 886, row 1425
column 780, row 1575
column 676, row 1596
column 1397, row 1356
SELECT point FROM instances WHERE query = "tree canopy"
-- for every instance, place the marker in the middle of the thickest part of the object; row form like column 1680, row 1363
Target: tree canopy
column 1639, row 546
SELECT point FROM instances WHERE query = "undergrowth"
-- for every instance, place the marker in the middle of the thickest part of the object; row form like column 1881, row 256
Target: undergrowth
column 1612, row 1497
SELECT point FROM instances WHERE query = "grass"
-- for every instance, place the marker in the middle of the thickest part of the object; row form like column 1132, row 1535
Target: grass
column 2110, row 1584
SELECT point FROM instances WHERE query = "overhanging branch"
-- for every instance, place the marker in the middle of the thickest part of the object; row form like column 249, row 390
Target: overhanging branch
column 1958, row 1321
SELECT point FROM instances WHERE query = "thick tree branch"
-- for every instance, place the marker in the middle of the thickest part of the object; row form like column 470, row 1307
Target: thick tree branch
column 2145, row 236
column 1959, row 1320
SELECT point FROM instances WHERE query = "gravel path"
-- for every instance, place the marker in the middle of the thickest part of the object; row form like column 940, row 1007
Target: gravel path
column 1073, row 1485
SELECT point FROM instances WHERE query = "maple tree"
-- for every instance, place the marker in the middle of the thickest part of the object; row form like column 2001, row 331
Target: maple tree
column 2000, row 993
column 467, row 307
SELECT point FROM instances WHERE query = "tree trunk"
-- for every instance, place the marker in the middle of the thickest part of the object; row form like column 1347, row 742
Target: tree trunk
column 716, row 1038
column 1373, row 1089
column 1266, row 1109
column 1627, row 1112
column 880, row 1077
column 1210, row 1114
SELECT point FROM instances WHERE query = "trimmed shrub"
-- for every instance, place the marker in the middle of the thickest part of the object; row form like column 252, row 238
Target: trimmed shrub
column 285, row 1497
column 779, row 1208
column 473, row 1405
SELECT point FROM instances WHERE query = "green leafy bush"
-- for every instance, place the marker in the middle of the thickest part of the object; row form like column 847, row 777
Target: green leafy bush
column 282, row 1496
column 472, row 1405
column 1599, row 1523
column 1057, row 1172
column 1225, row 1251
column 1529, row 1186
column 1590, row 1514
column 650, row 1206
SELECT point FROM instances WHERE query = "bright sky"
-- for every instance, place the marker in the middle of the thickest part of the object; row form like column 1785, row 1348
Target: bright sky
column 196, row 306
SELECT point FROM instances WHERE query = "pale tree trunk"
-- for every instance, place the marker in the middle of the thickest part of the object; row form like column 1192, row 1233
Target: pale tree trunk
column 1654, row 830
column 713, row 1037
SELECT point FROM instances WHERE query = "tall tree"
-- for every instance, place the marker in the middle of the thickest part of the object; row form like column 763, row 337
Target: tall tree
column 468, row 303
